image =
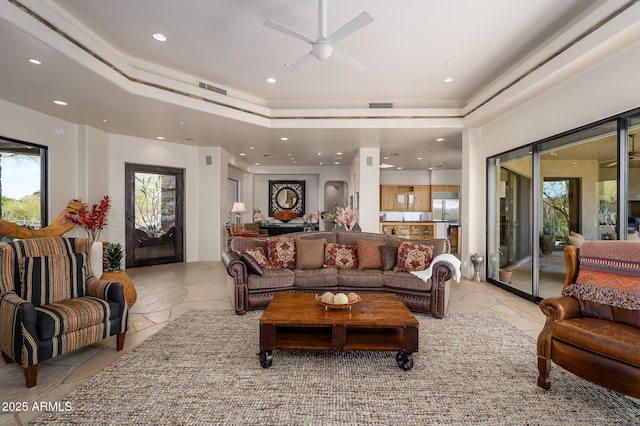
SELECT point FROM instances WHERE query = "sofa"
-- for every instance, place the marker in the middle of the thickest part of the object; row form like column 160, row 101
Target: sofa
column 593, row 329
column 342, row 261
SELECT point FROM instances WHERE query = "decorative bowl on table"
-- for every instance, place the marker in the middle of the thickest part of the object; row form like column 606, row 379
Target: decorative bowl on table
column 338, row 301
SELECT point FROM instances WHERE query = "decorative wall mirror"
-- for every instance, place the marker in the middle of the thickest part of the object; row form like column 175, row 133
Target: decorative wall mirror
column 286, row 195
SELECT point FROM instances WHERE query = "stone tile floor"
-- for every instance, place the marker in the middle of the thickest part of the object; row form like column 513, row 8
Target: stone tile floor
column 167, row 291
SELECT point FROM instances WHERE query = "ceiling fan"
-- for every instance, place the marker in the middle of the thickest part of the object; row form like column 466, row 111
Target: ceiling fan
column 633, row 154
column 322, row 48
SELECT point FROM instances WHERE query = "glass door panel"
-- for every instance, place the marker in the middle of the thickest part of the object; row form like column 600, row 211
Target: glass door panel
column 154, row 215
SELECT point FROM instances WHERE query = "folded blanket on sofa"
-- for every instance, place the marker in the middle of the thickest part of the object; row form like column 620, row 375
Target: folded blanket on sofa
column 444, row 257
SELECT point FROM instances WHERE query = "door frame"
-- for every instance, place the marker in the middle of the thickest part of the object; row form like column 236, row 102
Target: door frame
column 130, row 170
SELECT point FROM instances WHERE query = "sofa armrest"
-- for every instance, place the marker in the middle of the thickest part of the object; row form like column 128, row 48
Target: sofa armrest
column 442, row 273
column 238, row 271
column 16, row 340
column 555, row 308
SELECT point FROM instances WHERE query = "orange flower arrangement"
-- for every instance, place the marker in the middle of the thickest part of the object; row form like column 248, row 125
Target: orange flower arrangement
column 94, row 220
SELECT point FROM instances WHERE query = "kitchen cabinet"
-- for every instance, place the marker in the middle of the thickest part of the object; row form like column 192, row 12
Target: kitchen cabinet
column 409, row 230
column 388, row 194
column 405, row 198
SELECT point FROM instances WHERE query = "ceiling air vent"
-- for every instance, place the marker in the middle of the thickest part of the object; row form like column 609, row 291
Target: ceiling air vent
column 211, row 88
column 380, row 105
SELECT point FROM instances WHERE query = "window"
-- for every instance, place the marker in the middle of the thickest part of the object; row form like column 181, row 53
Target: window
column 22, row 183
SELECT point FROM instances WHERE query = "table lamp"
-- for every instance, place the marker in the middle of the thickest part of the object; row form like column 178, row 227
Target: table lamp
column 238, row 208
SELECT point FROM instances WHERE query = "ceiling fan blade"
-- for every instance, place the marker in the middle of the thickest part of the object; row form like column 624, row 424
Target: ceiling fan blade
column 288, row 31
column 612, row 164
column 349, row 60
column 294, row 66
column 354, row 25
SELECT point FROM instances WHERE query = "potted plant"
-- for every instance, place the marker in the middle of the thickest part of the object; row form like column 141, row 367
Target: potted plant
column 113, row 255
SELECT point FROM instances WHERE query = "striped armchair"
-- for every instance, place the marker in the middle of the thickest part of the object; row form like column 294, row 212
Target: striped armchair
column 51, row 304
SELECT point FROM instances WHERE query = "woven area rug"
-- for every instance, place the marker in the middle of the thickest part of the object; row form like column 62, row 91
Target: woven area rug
column 202, row 368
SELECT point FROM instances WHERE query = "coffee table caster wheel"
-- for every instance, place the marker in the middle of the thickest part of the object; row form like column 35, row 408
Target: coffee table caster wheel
column 266, row 359
column 404, row 361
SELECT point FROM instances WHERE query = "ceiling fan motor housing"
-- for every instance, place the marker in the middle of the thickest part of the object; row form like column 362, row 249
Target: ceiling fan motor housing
column 322, row 50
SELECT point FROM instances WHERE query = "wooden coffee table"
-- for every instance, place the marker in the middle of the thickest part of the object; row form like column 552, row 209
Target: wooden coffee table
column 379, row 322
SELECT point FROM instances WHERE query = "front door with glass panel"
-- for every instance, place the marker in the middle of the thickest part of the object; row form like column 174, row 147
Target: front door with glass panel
column 154, row 209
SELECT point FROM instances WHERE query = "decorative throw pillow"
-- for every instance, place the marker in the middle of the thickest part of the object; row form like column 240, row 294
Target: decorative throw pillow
column 369, row 254
column 389, row 257
column 251, row 263
column 281, row 252
column 576, row 239
column 340, row 256
column 51, row 279
column 259, row 255
column 309, row 253
column 413, row 257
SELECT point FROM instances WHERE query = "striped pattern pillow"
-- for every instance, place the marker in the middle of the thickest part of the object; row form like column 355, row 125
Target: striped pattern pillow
column 51, row 279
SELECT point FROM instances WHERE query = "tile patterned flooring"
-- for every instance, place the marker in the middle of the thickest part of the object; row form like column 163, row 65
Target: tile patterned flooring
column 167, row 291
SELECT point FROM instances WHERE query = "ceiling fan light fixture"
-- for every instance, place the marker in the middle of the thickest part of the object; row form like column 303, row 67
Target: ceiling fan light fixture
column 322, row 50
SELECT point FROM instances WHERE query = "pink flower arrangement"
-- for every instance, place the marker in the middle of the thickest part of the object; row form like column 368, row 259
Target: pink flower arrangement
column 346, row 217
column 94, row 220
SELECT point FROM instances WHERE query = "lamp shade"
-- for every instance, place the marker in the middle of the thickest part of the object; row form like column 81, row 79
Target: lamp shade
column 238, row 207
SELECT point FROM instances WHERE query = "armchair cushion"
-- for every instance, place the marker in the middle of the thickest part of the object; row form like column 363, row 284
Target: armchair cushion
column 51, row 279
column 75, row 314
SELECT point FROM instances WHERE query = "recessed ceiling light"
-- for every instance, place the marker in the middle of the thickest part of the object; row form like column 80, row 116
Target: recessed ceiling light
column 419, row 158
column 252, row 147
column 63, row 103
column 430, row 168
column 385, row 158
column 257, row 164
column 181, row 123
column 35, row 61
column 440, row 139
column 320, row 163
column 284, row 138
column 271, row 80
column 104, row 120
column 448, row 79
column 398, row 168
column 319, row 153
column 448, row 63
column 386, row 166
column 242, row 154
column 159, row 37
column 161, row 138
column 336, row 162
column 338, row 153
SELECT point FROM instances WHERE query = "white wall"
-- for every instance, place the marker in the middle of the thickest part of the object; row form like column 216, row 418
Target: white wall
column 405, row 177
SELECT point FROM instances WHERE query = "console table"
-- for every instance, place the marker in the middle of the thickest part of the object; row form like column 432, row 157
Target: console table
column 285, row 228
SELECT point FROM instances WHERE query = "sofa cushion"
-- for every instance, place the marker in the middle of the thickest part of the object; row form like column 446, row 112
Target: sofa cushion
column 368, row 278
column 405, row 280
column 51, row 279
column 340, row 256
column 281, row 252
column 322, row 277
column 413, row 257
column 389, row 257
column 272, row 278
column 369, row 254
column 260, row 256
column 67, row 316
column 309, row 253
column 603, row 337
column 251, row 263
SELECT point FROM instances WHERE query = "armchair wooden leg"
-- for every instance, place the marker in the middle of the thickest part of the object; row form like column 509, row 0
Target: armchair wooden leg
column 6, row 358
column 544, row 368
column 120, row 344
column 31, row 374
